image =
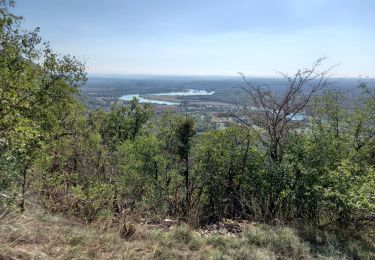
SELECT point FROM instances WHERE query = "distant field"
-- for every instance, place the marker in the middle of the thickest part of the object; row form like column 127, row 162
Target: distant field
column 210, row 103
column 163, row 98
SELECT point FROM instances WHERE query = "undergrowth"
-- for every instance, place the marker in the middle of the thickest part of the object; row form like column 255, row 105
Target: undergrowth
column 38, row 235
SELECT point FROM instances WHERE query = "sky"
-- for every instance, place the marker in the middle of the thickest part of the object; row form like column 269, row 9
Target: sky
column 208, row 37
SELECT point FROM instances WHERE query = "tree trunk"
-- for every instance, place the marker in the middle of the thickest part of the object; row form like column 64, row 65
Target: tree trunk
column 187, row 185
column 23, row 189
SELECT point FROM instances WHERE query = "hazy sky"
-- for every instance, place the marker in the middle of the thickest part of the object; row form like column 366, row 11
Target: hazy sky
column 208, row 37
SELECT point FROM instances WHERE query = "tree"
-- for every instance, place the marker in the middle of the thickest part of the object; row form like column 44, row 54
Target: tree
column 143, row 168
column 361, row 120
column 185, row 132
column 124, row 123
column 227, row 163
column 165, row 128
column 349, row 118
column 39, row 91
column 328, row 112
column 274, row 112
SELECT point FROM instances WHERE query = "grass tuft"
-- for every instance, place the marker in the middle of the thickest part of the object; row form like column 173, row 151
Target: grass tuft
column 38, row 235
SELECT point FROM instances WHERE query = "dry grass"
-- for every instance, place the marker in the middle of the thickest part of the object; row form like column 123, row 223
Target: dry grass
column 38, row 235
column 42, row 236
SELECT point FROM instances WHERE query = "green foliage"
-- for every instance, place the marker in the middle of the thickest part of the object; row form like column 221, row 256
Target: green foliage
column 92, row 163
column 227, row 164
column 124, row 123
column 38, row 98
column 185, row 132
column 143, row 171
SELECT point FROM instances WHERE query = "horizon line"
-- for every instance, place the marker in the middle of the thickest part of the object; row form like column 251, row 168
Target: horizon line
column 135, row 75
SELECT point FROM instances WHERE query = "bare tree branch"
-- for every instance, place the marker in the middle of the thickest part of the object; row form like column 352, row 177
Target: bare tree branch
column 273, row 111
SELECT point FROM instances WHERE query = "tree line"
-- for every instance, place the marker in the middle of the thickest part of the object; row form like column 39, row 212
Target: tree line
column 91, row 164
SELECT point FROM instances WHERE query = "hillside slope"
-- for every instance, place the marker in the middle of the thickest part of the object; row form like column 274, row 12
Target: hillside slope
column 39, row 235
